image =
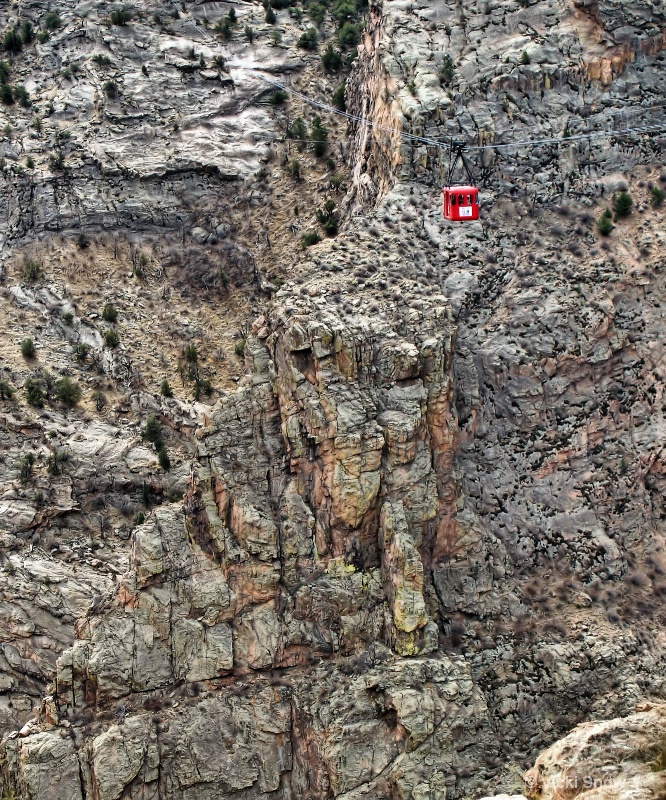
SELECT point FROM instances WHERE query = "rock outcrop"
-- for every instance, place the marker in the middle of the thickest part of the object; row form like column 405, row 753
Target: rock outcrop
column 409, row 532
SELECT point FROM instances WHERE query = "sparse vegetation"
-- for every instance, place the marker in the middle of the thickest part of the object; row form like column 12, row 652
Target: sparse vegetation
column 7, row 390
column 338, row 98
column 35, row 391
column 331, row 59
column 32, row 270
column 525, row 58
column 294, row 169
column 191, row 354
column 28, row 348
column 111, row 89
column 278, row 97
column 25, row 467
column 239, row 348
column 319, row 137
column 249, row 33
column 163, row 458
column 165, row 389
column 271, row 19
column 327, row 218
column 81, row 350
column 109, row 313
column 605, row 225
column 309, row 39
column 657, row 196
column 446, row 71
column 52, row 21
column 12, row 41
column 311, row 238
column 120, row 16
column 99, row 398
column 68, row 391
column 111, row 338
column 56, row 461
column 622, row 203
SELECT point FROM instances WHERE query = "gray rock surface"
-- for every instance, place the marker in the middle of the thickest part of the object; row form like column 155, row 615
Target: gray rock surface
column 414, row 535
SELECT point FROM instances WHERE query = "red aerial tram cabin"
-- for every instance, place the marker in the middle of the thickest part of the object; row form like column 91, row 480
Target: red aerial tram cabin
column 461, row 203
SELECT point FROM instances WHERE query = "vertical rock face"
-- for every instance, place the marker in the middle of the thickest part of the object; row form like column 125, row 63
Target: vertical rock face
column 424, row 536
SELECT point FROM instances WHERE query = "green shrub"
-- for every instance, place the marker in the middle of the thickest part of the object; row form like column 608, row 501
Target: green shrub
column 6, row 94
column 327, row 218
column 140, row 518
column 12, row 41
column 43, row 36
column 239, row 348
column 525, row 58
column 317, row 12
column 278, row 97
column 319, row 137
column 68, row 391
column 7, row 391
column 111, row 338
column 27, row 32
column 349, row 35
column 249, row 33
column 101, row 60
column 165, row 389
column 25, row 467
column 446, row 71
column 331, row 59
column 35, row 391
column 191, row 354
column 4, row 71
column 163, row 458
column 67, row 317
column 120, row 17
column 622, row 204
column 99, row 398
column 52, row 21
column 56, row 460
column 271, row 19
column 604, row 225
column 28, row 348
column 276, row 38
column 109, row 313
column 294, row 169
column 657, row 196
column 21, row 94
column 225, row 28
column 111, row 89
column 202, row 386
column 152, row 431
column 311, row 238
column 30, row 162
column 309, row 39
column 338, row 97
column 57, row 161
column 297, row 130
column 32, row 270
column 81, row 350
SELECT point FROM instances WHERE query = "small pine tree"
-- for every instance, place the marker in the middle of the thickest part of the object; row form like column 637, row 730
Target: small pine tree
column 35, row 391
column 657, row 196
column 271, row 19
column 604, row 225
column 68, row 391
column 109, row 313
column 165, row 389
column 622, row 204
column 28, row 348
column 163, row 458
column 111, row 338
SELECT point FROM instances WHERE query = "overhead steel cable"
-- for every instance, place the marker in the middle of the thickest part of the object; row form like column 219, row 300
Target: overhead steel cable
column 447, row 146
